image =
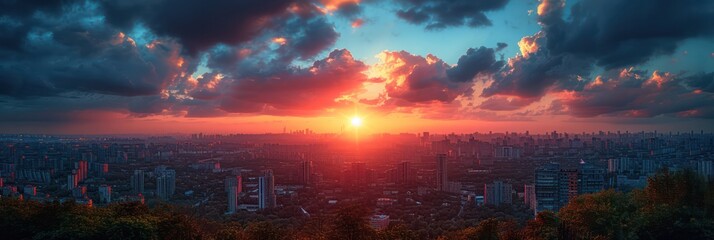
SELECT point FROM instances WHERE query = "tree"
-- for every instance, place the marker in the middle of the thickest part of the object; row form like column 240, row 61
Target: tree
column 350, row 224
column 605, row 214
column 543, row 227
column 263, row 231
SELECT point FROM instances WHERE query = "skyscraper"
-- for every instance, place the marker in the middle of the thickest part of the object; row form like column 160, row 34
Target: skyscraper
column 555, row 187
column 266, row 190
column 619, row 165
column 137, row 181
column 706, row 169
column 305, row 172
column 546, row 187
column 529, row 196
column 81, row 170
column 72, row 180
column 234, row 180
column 567, row 186
column 649, row 167
column 442, row 179
column 166, row 183
column 105, row 194
column 497, row 193
column 404, row 173
column 232, row 190
column 592, row 179
column 102, row 169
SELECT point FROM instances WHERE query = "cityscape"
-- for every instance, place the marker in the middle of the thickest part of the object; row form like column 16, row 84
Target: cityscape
column 400, row 178
column 357, row 119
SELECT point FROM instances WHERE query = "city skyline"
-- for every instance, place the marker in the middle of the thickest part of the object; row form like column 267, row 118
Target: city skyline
column 356, row 119
column 162, row 67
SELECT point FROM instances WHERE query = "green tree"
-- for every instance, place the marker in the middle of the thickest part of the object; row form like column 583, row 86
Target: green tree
column 606, row 214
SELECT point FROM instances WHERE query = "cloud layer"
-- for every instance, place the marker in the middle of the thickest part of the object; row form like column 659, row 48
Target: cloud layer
column 77, row 60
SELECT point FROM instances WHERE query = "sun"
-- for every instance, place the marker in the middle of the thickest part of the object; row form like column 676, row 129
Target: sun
column 356, row 121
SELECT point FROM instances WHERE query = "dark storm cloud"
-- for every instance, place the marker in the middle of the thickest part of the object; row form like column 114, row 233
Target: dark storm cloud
column 635, row 93
column 441, row 14
column 535, row 75
column 622, row 33
column 701, row 81
column 604, row 33
column 72, row 52
column 349, row 10
column 481, row 60
column 307, row 37
column 198, row 25
column 500, row 46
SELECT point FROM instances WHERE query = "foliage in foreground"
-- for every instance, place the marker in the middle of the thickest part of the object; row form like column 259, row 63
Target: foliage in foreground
column 676, row 205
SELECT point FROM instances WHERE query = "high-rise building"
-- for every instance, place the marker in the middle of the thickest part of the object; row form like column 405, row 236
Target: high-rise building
column 706, row 169
column 305, row 172
column 442, row 178
column 102, row 169
column 30, row 190
column 592, row 179
column 649, row 167
column 618, row 165
column 529, row 196
column 79, row 192
column 546, row 187
column 234, row 180
column 72, row 180
column 232, row 190
column 105, row 194
column 405, row 173
column 82, row 170
column 555, row 187
column 567, row 186
column 137, row 181
column 497, row 193
column 166, row 183
column 266, row 190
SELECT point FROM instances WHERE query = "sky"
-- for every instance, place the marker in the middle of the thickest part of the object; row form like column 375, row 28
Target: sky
column 245, row 66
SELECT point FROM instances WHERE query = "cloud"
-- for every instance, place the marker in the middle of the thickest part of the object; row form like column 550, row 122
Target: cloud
column 69, row 52
column 476, row 61
column 442, row 14
column 701, row 82
column 298, row 91
column 501, row 103
column 198, row 25
column 418, row 79
column 617, row 33
column 634, row 93
column 501, row 46
column 537, row 72
column 597, row 34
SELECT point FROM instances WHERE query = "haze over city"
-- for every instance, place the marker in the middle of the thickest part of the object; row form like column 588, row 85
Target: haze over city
column 102, row 67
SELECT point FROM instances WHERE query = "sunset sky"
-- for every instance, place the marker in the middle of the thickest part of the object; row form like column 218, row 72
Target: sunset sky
column 228, row 66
